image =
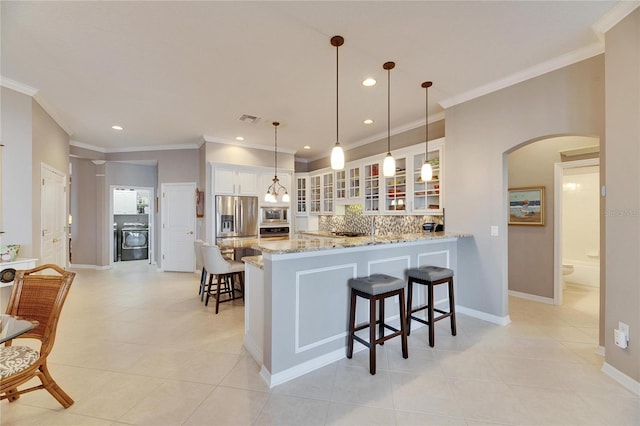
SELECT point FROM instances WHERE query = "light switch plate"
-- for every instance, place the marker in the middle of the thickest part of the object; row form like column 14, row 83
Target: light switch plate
column 494, row 231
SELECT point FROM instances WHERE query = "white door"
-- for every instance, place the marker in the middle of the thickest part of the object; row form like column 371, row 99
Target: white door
column 53, row 213
column 178, row 213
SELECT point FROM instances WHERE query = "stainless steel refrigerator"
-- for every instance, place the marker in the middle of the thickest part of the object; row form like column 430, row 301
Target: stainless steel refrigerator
column 236, row 217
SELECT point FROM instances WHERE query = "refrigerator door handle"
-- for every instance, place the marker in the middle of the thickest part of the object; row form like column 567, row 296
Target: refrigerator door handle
column 238, row 215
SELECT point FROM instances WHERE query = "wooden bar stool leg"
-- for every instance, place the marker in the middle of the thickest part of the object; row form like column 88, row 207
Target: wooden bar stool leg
column 430, row 315
column 352, row 324
column 220, row 277
column 403, row 325
column 372, row 335
column 381, row 315
column 452, row 308
column 409, row 306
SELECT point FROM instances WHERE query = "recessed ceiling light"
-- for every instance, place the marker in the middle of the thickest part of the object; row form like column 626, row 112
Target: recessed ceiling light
column 306, row 147
column 116, row 127
column 368, row 121
column 239, row 138
column 369, row 82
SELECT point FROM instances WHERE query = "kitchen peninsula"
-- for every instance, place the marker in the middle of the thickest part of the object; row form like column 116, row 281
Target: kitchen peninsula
column 297, row 300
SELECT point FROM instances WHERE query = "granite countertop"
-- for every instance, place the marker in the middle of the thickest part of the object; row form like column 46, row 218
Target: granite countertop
column 298, row 245
column 254, row 260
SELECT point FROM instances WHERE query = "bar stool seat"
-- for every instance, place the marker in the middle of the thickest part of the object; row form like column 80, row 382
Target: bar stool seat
column 376, row 287
column 430, row 276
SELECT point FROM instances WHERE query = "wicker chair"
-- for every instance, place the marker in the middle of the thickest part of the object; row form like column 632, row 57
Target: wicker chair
column 37, row 297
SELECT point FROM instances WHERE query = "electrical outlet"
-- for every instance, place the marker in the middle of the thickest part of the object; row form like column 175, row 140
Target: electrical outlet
column 624, row 328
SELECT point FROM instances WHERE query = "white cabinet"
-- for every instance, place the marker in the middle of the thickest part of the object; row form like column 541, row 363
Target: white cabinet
column 314, row 194
column 341, row 185
column 327, row 192
column 353, row 184
column 124, row 202
column 302, row 184
column 396, row 191
column 428, row 196
column 371, row 187
column 233, row 180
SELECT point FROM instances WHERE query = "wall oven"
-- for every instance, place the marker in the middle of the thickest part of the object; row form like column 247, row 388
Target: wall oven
column 274, row 233
column 272, row 215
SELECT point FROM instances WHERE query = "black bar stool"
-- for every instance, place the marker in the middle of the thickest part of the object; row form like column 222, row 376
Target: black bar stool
column 430, row 276
column 376, row 287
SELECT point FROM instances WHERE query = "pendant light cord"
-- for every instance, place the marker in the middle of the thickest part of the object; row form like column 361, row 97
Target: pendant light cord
column 388, row 110
column 337, row 90
column 426, row 86
column 275, row 153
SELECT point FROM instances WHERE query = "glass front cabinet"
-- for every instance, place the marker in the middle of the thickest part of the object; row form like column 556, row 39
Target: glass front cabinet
column 354, row 182
column 314, row 194
column 327, row 193
column 301, row 195
column 427, row 196
column 372, row 187
column 341, row 185
column 396, row 188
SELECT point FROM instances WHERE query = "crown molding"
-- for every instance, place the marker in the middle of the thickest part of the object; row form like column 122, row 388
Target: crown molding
column 83, row 145
column 132, row 149
column 535, row 71
column 17, row 86
column 49, row 109
column 247, row 145
column 613, row 17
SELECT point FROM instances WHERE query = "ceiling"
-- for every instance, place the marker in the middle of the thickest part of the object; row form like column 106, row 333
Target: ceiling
column 173, row 73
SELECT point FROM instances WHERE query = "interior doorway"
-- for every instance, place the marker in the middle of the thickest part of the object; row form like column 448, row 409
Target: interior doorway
column 132, row 212
column 577, row 228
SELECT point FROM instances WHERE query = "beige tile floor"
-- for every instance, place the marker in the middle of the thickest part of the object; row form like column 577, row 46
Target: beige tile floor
column 137, row 347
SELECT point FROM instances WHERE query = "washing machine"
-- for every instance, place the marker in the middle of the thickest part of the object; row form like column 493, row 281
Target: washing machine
column 135, row 241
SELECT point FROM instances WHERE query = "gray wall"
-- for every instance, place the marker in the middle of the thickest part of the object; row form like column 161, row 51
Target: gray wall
column 31, row 138
column 623, row 192
column 531, row 248
column 479, row 135
column 51, row 147
column 84, row 205
column 17, row 179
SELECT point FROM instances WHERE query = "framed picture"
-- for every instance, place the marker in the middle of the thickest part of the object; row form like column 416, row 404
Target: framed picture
column 199, row 203
column 526, row 206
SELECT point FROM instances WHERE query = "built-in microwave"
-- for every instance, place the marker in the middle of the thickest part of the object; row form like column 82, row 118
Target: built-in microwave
column 274, row 215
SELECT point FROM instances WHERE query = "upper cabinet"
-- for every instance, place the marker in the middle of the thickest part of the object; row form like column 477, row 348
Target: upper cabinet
column 302, row 194
column 396, row 188
column 341, row 185
column 314, row 194
column 371, row 186
column 327, row 192
column 234, row 180
column 124, row 201
column 428, row 196
column 354, row 173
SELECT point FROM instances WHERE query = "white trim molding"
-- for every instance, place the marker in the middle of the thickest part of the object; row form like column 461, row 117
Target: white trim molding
column 621, row 378
column 483, row 315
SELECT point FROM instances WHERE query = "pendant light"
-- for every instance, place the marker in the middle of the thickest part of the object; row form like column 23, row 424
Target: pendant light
column 426, row 173
column 337, row 154
column 389, row 165
column 273, row 191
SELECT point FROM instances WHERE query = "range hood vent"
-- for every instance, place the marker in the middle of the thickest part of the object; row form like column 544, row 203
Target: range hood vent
column 249, row 118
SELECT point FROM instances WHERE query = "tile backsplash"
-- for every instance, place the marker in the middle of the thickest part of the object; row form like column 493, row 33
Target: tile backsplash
column 354, row 220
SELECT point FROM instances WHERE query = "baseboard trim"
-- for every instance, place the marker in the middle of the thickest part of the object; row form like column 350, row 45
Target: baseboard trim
column 483, row 315
column 306, row 367
column 535, row 298
column 95, row 267
column 621, row 378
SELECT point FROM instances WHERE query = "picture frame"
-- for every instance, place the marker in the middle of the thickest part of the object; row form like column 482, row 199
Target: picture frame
column 526, row 206
column 199, row 203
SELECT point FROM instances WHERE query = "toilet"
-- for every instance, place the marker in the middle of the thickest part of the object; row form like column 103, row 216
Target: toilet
column 567, row 269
